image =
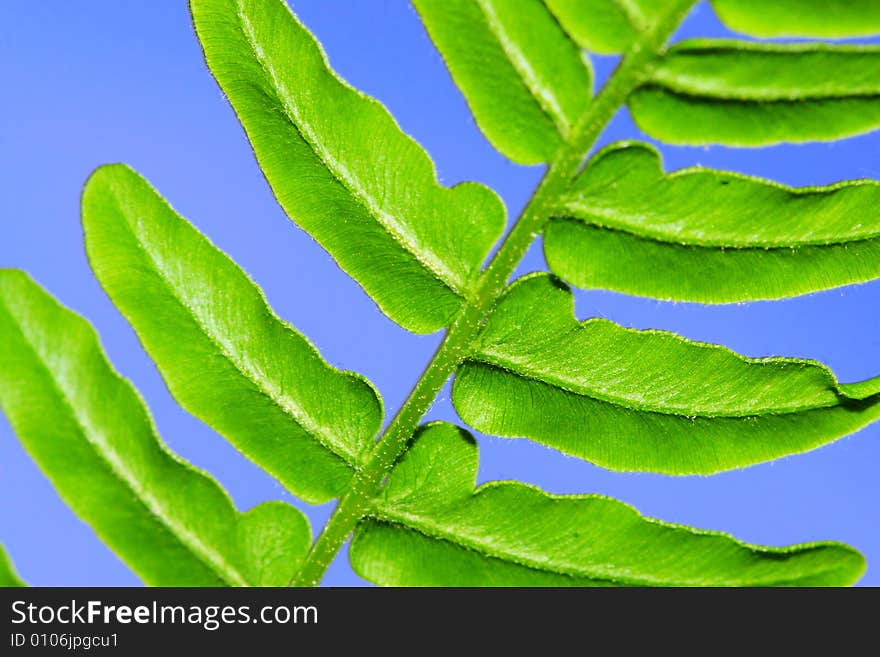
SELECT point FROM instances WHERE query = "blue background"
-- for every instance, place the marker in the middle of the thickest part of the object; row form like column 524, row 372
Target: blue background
column 87, row 83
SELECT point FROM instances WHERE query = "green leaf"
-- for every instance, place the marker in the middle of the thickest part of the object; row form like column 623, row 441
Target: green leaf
column 271, row 540
column 343, row 170
column 8, row 577
column 224, row 354
column 605, row 26
column 709, row 236
column 524, row 79
column 751, row 94
column 431, row 528
column 90, row 433
column 644, row 400
column 800, row 18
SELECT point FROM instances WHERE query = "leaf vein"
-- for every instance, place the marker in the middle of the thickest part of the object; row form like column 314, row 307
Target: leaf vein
column 262, row 385
column 521, row 369
column 547, row 100
column 398, row 230
column 104, row 451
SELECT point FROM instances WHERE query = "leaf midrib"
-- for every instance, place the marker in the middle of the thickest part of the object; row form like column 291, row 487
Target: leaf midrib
column 399, row 231
column 546, row 99
column 287, row 406
column 429, row 528
column 517, row 367
column 668, row 85
column 707, row 87
column 425, row 526
column 214, row 560
column 578, row 211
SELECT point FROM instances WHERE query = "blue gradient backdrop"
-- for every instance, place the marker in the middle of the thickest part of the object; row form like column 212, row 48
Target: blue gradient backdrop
column 86, row 83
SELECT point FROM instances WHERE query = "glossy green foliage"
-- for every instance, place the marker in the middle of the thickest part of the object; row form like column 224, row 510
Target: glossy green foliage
column 523, row 77
column 8, row 577
column 644, row 400
column 605, row 26
column 91, row 435
column 224, row 354
column 800, row 18
column 524, row 366
column 343, row 170
column 709, row 236
column 431, row 528
column 747, row 94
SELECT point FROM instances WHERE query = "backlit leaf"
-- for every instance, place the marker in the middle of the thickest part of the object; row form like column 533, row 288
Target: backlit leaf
column 709, row 236
column 524, row 79
column 90, row 433
column 644, row 400
column 752, row 94
column 224, row 354
column 343, row 170
column 606, row 26
column 431, row 528
column 801, row 18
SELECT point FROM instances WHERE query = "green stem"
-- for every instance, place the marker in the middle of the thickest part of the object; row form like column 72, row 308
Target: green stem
column 367, row 482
